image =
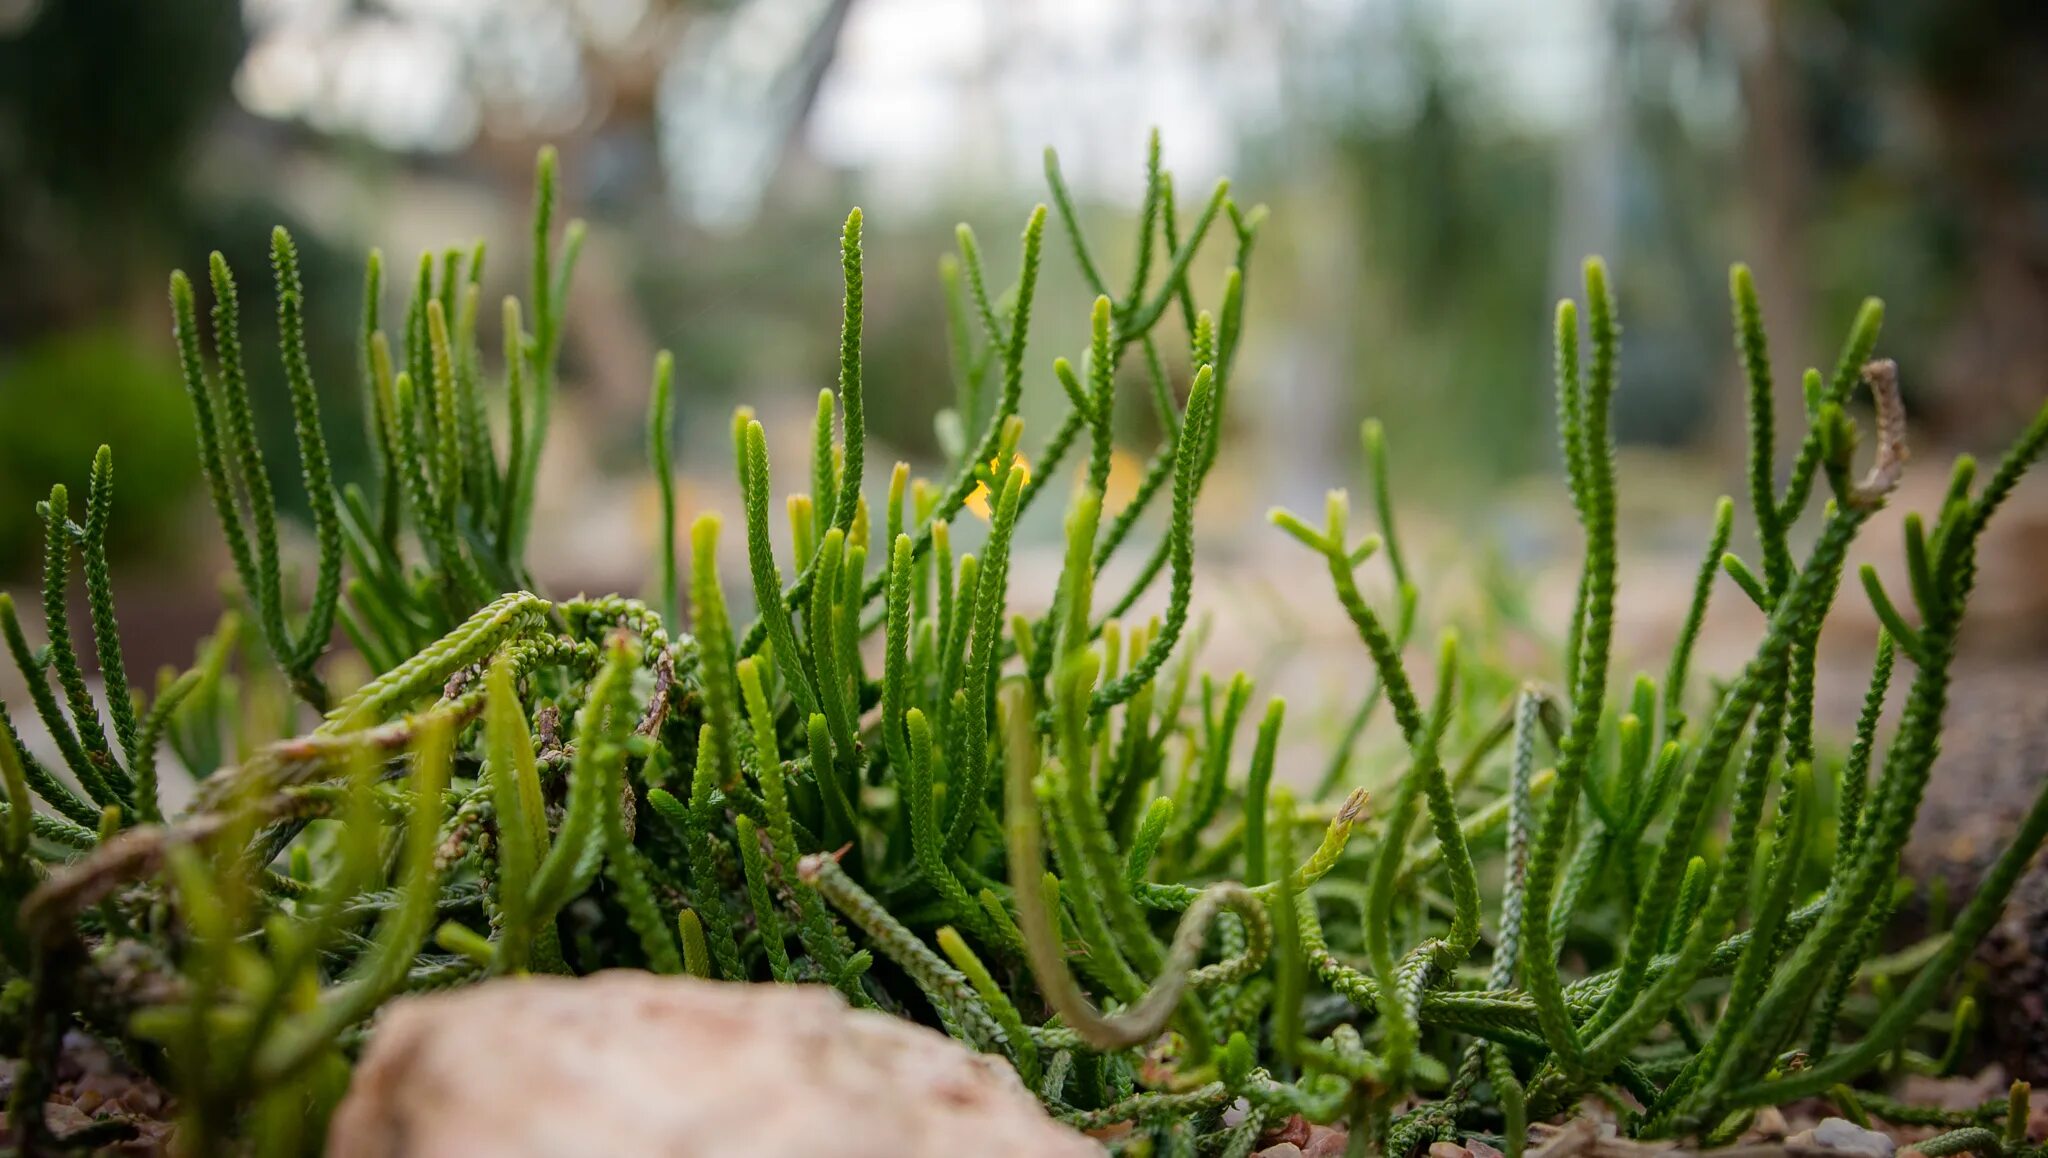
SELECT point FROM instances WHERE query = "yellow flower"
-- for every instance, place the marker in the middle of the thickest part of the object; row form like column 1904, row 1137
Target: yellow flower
column 1126, row 471
column 978, row 502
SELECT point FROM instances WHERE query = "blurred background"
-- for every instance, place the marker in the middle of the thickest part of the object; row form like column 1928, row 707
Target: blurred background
column 1435, row 173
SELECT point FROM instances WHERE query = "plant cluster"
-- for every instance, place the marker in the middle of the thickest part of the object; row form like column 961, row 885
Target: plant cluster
column 1031, row 829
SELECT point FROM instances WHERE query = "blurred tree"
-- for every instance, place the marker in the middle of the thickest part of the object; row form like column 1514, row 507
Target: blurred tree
column 1452, row 214
column 104, row 108
column 1928, row 124
column 101, row 104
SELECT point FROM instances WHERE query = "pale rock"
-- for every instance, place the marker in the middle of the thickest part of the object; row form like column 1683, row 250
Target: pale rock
column 1325, row 1142
column 1294, row 1130
column 1769, row 1125
column 623, row 1064
column 1842, row 1135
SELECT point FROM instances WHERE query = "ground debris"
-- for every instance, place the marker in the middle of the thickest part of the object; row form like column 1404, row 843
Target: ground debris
column 97, row 1091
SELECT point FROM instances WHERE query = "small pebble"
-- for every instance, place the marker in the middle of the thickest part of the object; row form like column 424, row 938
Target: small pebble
column 1843, row 1135
column 1325, row 1142
column 1293, row 1131
column 1769, row 1124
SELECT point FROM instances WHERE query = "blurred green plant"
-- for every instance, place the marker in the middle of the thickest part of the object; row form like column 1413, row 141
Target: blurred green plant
column 74, row 391
column 860, row 788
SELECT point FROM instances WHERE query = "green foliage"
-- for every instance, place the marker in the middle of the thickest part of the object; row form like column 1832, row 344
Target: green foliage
column 60, row 398
column 1031, row 831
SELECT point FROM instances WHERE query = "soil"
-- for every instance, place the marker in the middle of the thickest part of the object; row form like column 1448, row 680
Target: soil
column 1786, row 1132
column 96, row 1090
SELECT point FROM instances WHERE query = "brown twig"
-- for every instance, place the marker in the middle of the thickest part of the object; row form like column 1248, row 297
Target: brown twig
column 1882, row 376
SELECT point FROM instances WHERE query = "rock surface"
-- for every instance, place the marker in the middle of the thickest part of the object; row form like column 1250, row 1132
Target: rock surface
column 1993, row 753
column 1845, row 1136
column 623, row 1064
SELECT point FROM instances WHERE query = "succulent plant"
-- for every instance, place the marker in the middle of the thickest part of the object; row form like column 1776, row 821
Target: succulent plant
column 1031, row 830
